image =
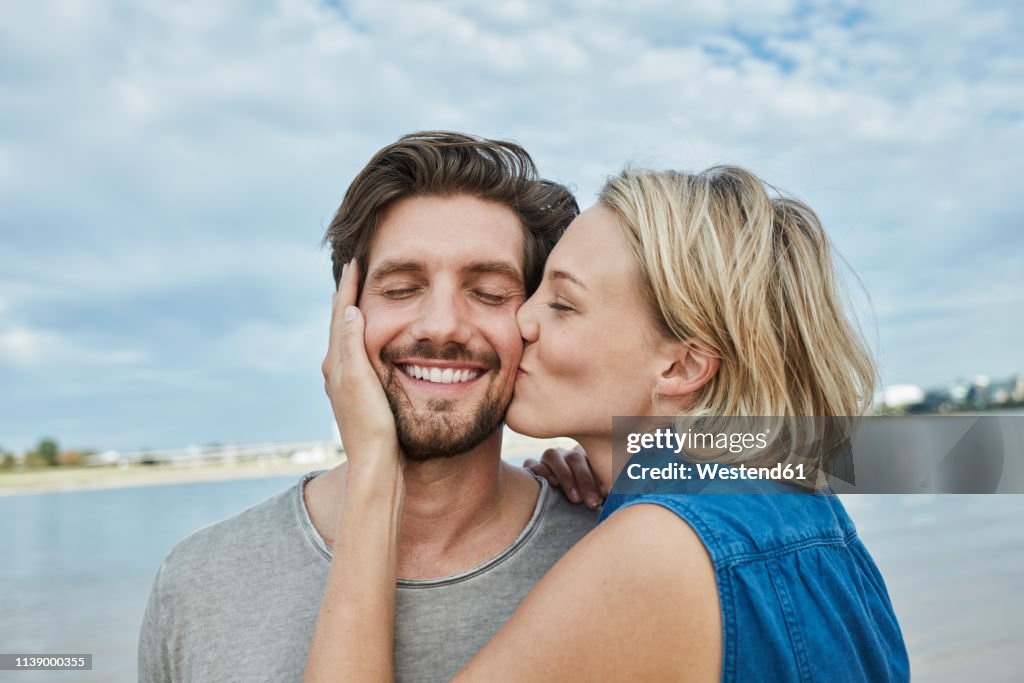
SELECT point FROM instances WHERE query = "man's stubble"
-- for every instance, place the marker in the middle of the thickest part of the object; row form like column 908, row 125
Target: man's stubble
column 437, row 432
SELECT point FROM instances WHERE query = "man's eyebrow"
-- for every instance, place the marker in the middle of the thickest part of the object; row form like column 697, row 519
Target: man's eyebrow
column 566, row 275
column 499, row 267
column 386, row 268
column 390, row 267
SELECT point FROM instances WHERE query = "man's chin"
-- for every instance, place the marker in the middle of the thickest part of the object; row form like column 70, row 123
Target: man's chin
column 441, row 439
column 443, row 428
column 441, row 444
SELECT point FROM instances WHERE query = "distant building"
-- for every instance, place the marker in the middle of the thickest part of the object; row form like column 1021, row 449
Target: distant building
column 901, row 396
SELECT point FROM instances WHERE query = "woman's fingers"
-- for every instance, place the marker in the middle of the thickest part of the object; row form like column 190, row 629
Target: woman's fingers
column 355, row 362
column 571, row 469
column 365, row 406
column 585, row 479
column 541, row 470
column 343, row 298
column 554, row 458
column 360, row 405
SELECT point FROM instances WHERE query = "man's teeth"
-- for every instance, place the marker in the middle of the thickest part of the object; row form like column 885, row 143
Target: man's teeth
column 446, row 376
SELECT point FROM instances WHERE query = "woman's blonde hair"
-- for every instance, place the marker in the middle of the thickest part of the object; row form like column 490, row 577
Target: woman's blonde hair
column 731, row 265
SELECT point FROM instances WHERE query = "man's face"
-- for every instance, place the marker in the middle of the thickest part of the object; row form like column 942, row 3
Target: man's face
column 443, row 283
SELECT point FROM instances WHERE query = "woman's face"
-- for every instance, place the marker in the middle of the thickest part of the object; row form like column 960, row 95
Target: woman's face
column 589, row 341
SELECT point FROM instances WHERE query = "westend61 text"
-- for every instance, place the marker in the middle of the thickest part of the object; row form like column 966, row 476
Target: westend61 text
column 708, row 471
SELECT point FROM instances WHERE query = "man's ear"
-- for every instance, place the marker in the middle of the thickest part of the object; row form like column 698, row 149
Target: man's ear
column 686, row 367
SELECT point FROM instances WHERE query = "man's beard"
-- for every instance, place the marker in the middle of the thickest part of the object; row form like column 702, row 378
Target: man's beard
column 436, row 432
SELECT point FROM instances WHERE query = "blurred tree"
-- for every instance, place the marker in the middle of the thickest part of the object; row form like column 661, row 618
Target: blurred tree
column 48, row 451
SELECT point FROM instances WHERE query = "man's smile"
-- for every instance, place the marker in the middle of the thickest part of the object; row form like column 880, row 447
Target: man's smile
column 441, row 374
column 439, row 377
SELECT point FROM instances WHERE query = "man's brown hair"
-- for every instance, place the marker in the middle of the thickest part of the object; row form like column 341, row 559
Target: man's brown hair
column 445, row 164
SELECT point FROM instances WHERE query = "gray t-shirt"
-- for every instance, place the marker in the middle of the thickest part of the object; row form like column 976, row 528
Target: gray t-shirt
column 238, row 600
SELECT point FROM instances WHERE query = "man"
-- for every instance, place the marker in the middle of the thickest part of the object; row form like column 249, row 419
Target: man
column 451, row 232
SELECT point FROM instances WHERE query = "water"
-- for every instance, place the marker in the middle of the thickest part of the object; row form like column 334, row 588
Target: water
column 954, row 566
column 77, row 569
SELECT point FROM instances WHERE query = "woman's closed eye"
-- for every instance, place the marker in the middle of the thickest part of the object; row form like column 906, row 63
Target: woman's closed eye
column 560, row 307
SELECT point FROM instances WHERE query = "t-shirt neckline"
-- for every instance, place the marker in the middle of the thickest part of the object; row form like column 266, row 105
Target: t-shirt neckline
column 306, row 523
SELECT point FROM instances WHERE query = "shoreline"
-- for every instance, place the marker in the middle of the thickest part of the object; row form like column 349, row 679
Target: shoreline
column 100, row 477
column 111, row 477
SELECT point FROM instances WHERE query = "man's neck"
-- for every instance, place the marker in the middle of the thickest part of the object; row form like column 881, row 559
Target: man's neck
column 459, row 512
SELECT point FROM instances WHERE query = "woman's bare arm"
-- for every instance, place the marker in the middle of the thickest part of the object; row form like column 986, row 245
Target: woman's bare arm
column 355, row 628
column 354, row 633
column 636, row 599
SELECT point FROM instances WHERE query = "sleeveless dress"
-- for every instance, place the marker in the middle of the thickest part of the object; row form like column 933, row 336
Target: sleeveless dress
column 801, row 599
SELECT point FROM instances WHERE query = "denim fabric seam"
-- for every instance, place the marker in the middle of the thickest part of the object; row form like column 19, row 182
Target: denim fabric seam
column 880, row 591
column 746, row 558
column 727, row 604
column 723, row 580
column 786, row 606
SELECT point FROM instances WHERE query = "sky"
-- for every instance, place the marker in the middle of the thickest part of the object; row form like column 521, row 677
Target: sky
column 167, row 171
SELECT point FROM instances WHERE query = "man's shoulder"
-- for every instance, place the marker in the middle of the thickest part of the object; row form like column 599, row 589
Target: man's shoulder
column 236, row 540
column 238, row 599
column 560, row 518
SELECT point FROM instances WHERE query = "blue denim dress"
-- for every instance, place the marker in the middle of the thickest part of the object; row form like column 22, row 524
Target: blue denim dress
column 801, row 598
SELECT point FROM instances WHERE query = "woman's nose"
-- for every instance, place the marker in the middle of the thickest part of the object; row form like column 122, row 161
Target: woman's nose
column 526, row 317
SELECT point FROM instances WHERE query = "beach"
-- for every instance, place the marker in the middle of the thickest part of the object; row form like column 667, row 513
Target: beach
column 88, row 478
column 66, row 479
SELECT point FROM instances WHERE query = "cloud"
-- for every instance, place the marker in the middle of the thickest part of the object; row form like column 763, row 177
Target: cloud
column 166, row 169
column 277, row 348
column 25, row 348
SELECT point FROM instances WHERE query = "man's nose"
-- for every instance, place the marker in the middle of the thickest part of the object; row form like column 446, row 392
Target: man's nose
column 444, row 317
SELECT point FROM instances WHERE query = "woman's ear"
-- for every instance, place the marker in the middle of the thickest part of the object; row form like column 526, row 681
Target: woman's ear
column 686, row 368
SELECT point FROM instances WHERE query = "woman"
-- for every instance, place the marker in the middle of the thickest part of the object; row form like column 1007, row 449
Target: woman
column 697, row 295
